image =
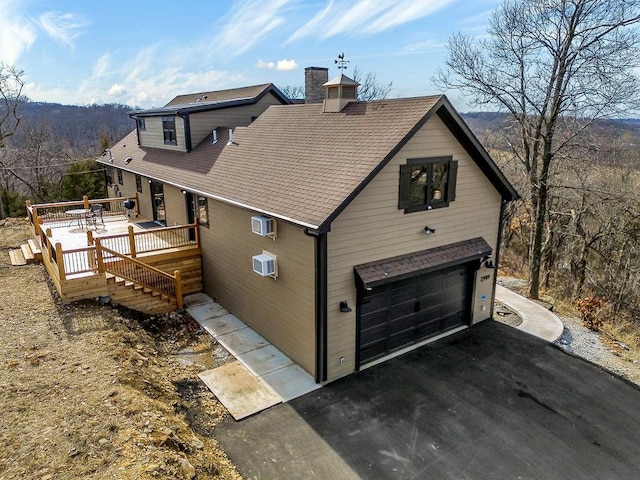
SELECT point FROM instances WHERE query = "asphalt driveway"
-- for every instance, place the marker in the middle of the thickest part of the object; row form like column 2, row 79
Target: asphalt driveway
column 490, row 402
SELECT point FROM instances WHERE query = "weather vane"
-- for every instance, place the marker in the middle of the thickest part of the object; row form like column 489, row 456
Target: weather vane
column 342, row 63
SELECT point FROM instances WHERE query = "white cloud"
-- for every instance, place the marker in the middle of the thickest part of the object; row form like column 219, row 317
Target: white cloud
column 101, row 66
column 62, row 27
column 365, row 17
column 285, row 64
column 116, row 90
column 424, row 45
column 17, row 33
column 251, row 21
column 280, row 65
column 267, row 65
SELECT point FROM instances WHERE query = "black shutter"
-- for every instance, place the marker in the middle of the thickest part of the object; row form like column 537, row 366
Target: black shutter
column 451, row 183
column 404, row 200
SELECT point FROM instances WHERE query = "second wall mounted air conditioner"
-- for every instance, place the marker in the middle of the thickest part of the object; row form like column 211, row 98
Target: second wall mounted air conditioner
column 265, row 265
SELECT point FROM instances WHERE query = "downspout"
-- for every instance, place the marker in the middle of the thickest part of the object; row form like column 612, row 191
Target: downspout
column 321, row 314
column 503, row 204
column 187, row 129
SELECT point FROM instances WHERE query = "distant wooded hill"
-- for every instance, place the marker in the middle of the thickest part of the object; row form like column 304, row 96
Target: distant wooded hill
column 82, row 127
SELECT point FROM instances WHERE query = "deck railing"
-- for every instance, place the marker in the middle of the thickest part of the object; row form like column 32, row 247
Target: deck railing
column 135, row 243
column 127, row 268
column 56, row 213
column 115, row 254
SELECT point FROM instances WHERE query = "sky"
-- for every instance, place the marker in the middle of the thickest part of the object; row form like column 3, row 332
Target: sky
column 143, row 53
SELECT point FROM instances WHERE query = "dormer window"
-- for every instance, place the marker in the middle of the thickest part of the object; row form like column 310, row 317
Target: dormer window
column 169, row 130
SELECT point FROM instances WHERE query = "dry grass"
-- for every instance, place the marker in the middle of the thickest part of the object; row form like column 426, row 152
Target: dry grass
column 90, row 391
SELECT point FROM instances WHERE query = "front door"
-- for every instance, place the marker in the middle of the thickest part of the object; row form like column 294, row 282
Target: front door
column 157, row 202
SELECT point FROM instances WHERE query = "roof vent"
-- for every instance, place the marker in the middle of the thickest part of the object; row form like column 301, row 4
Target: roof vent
column 127, row 160
column 214, row 137
column 230, row 136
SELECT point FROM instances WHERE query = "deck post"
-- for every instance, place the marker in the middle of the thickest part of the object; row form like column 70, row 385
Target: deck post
column 85, row 200
column 99, row 256
column 60, row 262
column 89, row 237
column 48, row 232
column 196, row 227
column 132, row 241
column 178, row 280
column 37, row 223
column 137, row 207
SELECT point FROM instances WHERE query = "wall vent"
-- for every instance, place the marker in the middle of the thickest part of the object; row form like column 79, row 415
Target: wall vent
column 265, row 264
column 263, row 226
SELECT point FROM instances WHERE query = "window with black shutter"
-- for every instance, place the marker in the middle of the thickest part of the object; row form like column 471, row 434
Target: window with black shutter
column 427, row 183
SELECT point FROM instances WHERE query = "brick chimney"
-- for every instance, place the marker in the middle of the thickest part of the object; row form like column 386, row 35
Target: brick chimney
column 314, row 79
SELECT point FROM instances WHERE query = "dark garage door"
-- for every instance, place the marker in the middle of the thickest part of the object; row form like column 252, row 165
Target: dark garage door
column 405, row 312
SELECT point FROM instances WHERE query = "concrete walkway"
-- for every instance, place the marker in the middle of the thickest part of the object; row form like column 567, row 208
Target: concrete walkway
column 536, row 320
column 260, row 377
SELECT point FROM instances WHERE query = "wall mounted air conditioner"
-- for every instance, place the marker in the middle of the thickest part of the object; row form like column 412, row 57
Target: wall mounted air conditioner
column 265, row 264
column 263, row 226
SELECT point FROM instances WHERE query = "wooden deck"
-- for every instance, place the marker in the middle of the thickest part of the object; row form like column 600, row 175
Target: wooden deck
column 132, row 260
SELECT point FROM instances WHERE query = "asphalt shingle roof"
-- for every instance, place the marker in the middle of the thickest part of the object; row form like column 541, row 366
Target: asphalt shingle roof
column 294, row 161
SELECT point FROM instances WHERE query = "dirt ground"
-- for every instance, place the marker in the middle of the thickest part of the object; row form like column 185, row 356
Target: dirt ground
column 91, row 391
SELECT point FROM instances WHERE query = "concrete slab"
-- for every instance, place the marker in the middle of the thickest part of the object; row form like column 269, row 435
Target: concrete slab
column 206, row 311
column 196, row 299
column 221, row 325
column 241, row 341
column 264, row 360
column 241, row 392
column 290, row 382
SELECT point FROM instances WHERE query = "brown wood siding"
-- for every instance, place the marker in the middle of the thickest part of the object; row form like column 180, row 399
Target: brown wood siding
column 203, row 123
column 282, row 310
column 153, row 135
column 373, row 228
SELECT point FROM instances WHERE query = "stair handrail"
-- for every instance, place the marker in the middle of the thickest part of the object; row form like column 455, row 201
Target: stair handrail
column 169, row 285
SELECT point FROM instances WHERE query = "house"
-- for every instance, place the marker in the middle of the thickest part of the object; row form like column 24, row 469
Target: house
column 345, row 232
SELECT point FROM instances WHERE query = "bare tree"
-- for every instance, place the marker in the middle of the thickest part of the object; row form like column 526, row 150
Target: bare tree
column 554, row 66
column 370, row 88
column 293, row 91
column 11, row 84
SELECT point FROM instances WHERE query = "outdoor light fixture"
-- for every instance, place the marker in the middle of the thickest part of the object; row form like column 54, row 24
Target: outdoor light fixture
column 344, row 307
column 489, row 264
column 428, row 230
column 184, row 192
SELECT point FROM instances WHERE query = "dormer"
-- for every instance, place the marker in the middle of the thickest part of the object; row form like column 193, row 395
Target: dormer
column 188, row 119
column 340, row 91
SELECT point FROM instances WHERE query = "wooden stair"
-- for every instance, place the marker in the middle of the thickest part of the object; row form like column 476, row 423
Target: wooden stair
column 27, row 253
column 137, row 297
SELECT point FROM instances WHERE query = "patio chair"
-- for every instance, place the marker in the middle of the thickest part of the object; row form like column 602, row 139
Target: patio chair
column 95, row 215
